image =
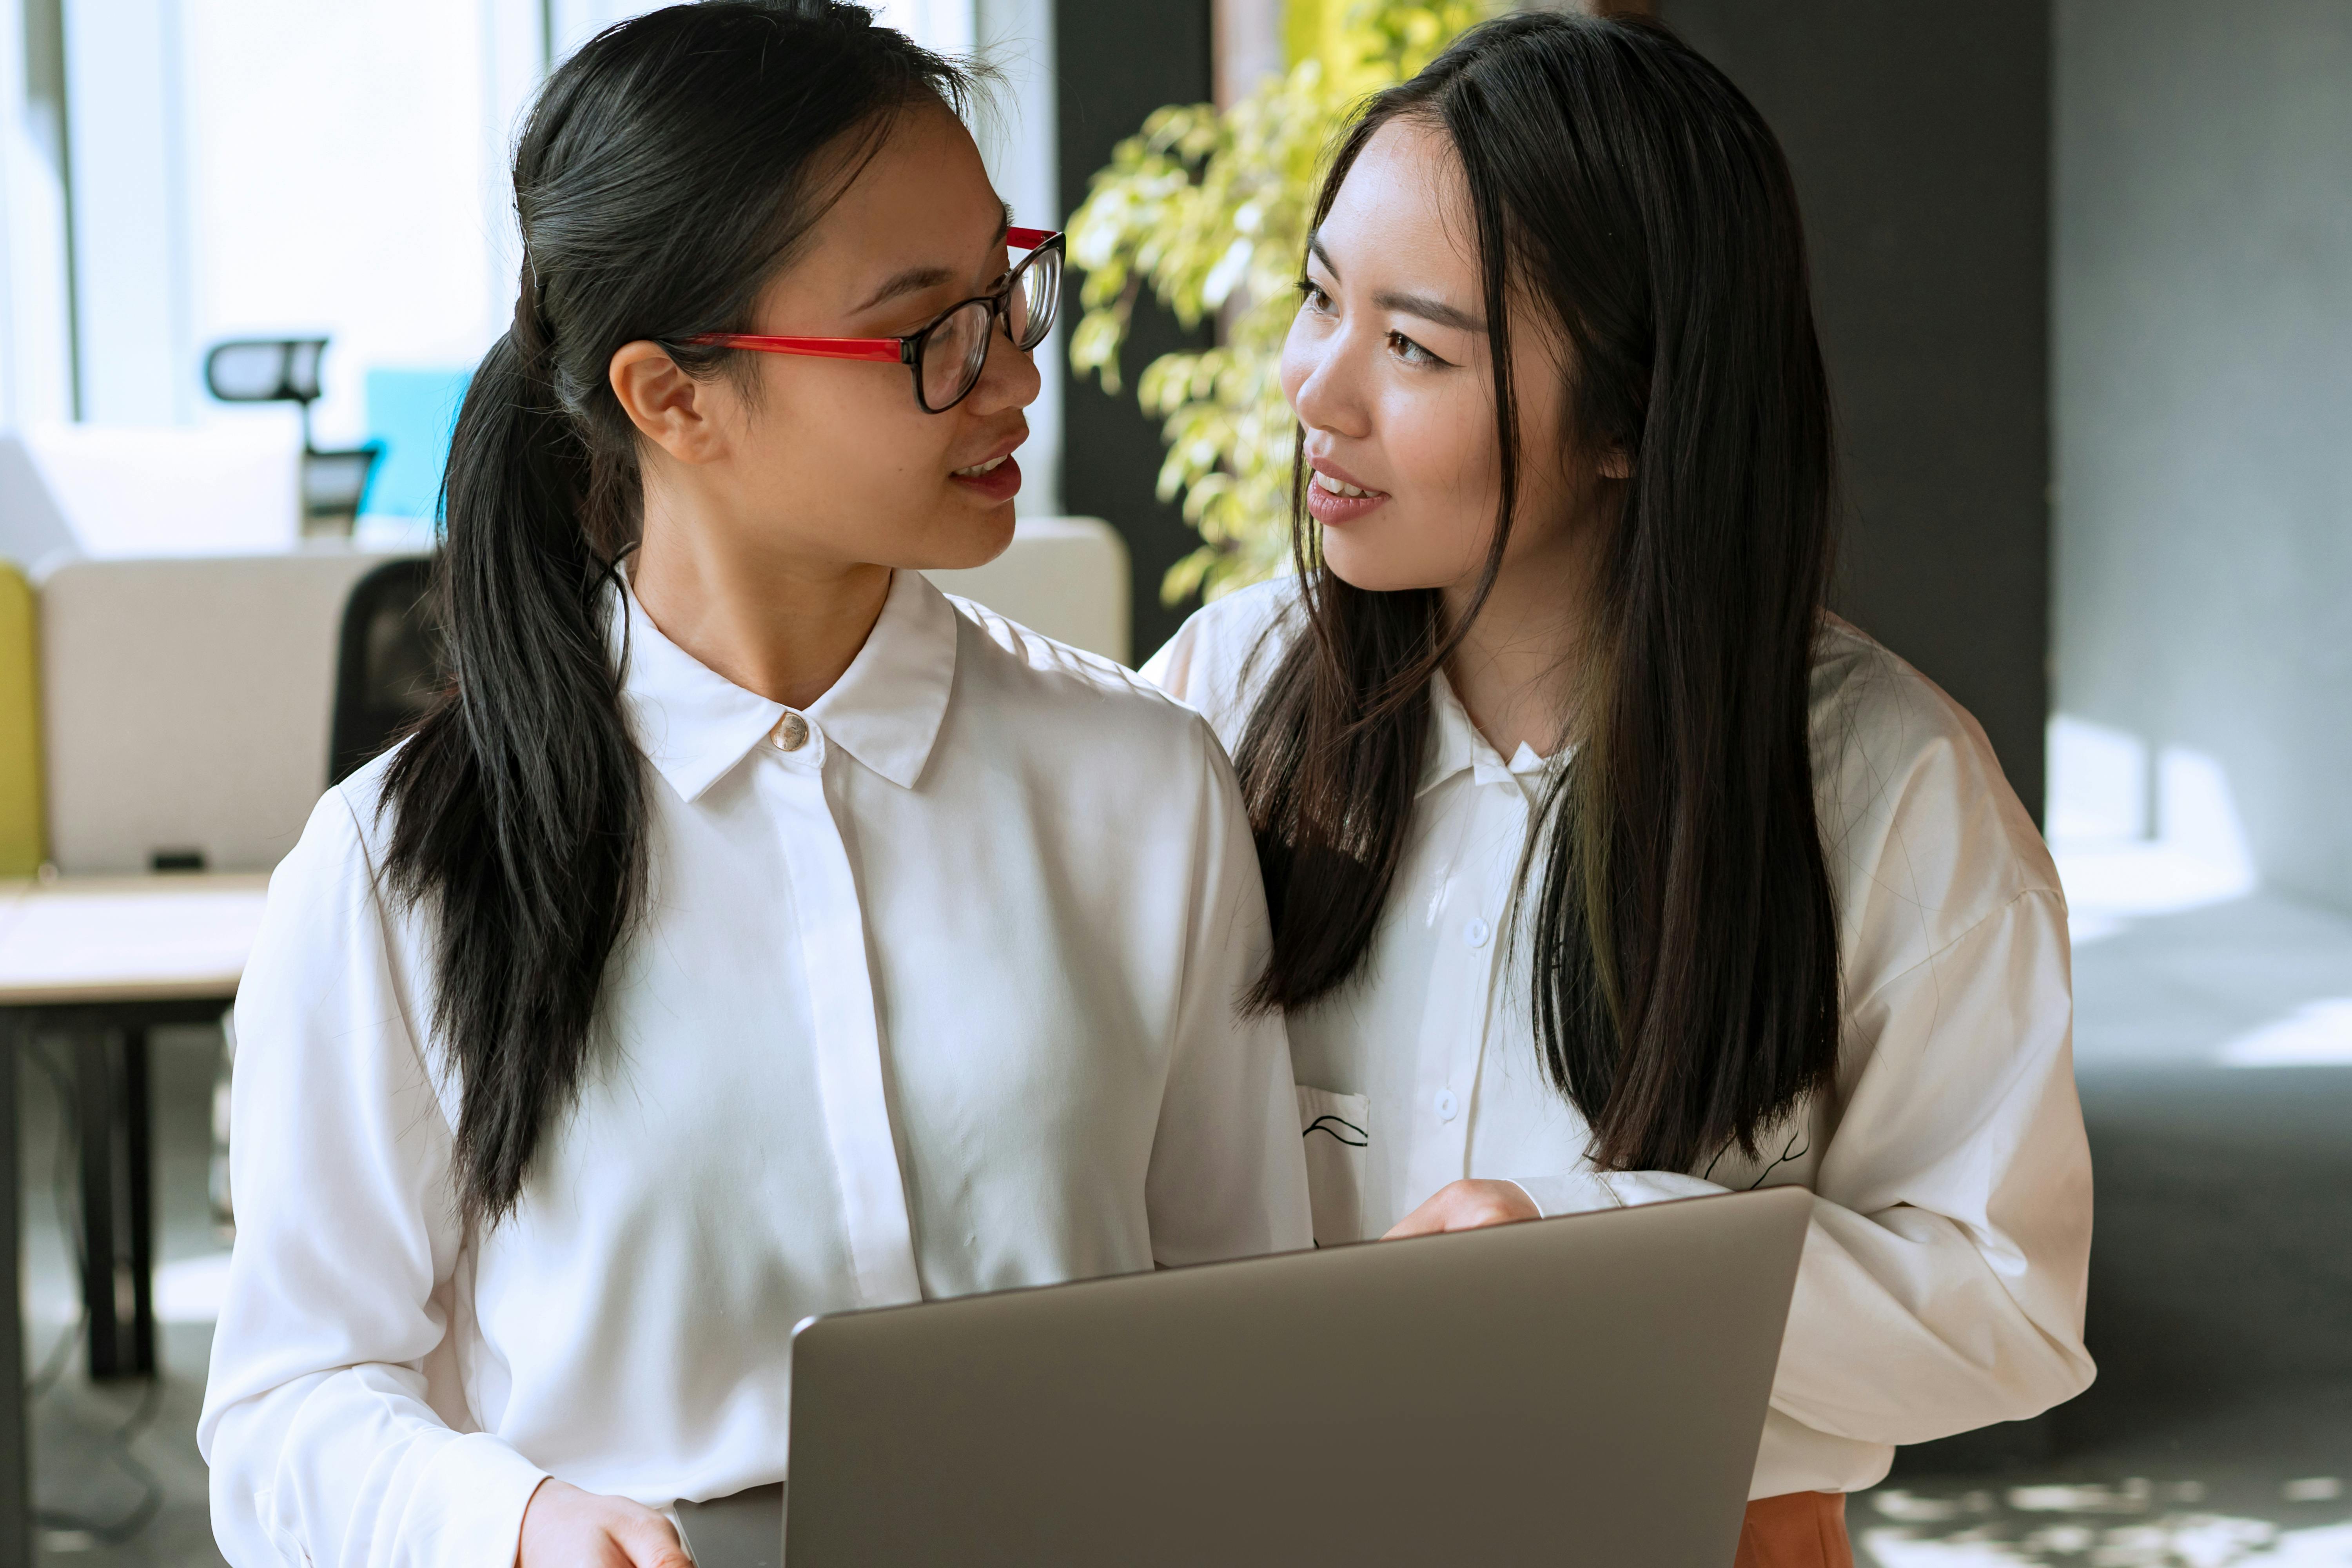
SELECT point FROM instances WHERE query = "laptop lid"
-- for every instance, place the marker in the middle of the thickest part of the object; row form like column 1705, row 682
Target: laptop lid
column 1583, row 1390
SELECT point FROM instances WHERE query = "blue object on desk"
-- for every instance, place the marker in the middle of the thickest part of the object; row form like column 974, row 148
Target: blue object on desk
column 413, row 414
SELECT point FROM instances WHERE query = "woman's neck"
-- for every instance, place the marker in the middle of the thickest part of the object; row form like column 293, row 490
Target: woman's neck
column 784, row 627
column 1515, row 669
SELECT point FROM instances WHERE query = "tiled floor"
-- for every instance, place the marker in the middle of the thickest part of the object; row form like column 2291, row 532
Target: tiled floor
column 2219, row 1435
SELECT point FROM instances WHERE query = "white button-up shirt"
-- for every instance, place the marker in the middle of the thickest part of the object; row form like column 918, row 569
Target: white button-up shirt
column 936, row 993
column 1943, row 1281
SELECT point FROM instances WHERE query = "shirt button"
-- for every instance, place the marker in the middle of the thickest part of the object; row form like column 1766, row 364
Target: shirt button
column 791, row 734
column 1477, row 932
column 1448, row 1105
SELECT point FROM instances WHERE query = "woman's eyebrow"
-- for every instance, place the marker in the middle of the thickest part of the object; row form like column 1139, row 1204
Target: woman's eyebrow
column 906, row 280
column 915, row 279
column 1430, row 310
column 1421, row 305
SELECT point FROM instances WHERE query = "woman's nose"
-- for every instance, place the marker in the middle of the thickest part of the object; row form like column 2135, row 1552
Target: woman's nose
column 1320, row 379
column 1008, row 377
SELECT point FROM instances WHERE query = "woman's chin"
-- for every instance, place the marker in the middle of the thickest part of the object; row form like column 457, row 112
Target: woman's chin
column 1362, row 564
column 973, row 539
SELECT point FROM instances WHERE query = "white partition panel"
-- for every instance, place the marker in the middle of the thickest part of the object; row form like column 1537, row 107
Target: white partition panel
column 186, row 705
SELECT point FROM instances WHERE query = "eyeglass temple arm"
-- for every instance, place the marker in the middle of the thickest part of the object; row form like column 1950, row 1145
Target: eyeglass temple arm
column 885, row 350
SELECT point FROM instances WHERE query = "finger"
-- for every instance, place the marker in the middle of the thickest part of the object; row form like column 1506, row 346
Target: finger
column 1478, row 1213
column 1512, row 1204
column 1429, row 1219
column 649, row 1540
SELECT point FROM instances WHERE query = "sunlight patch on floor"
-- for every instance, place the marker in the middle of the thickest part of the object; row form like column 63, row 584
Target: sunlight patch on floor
column 2134, row 1525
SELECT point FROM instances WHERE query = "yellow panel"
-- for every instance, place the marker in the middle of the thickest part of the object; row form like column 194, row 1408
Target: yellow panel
column 22, row 849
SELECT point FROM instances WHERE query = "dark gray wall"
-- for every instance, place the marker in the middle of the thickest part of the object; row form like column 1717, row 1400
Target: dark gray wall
column 1114, row 64
column 1919, row 138
column 2204, row 398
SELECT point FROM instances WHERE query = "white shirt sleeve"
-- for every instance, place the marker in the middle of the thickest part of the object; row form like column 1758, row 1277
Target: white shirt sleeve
column 1228, row 1176
column 327, row 1446
column 1943, row 1281
column 1221, row 657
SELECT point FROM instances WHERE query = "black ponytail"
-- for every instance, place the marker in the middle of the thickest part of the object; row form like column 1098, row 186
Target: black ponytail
column 666, row 172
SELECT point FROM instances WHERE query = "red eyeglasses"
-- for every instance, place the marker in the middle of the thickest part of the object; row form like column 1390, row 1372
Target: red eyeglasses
column 947, row 355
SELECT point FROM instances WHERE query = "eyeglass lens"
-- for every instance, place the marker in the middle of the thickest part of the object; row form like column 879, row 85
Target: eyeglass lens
column 957, row 345
column 1029, row 311
column 954, row 353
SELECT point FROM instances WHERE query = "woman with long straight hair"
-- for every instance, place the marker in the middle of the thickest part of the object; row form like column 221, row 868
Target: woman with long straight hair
column 1605, row 866
column 750, row 932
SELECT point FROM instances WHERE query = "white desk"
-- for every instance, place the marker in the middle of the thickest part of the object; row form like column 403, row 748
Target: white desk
column 104, row 959
column 102, row 941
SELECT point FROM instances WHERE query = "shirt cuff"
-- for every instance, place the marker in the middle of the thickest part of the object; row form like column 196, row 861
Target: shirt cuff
column 1580, row 1192
column 482, row 1486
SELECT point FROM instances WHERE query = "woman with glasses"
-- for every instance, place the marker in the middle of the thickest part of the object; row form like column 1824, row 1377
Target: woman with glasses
column 751, row 931
column 1606, row 866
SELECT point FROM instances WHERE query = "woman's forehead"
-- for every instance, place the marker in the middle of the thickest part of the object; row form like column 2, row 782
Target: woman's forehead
column 1404, row 210
column 921, row 203
column 925, row 172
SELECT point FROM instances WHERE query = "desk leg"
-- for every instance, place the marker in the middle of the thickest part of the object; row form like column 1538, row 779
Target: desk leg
column 15, row 1438
column 117, row 1201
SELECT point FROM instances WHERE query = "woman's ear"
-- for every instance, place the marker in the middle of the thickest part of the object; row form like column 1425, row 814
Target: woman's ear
column 669, row 408
column 1616, row 463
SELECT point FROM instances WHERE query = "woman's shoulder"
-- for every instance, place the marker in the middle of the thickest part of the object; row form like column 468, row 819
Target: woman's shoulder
column 327, row 907
column 345, row 842
column 1924, row 836
column 1028, row 677
column 1221, row 657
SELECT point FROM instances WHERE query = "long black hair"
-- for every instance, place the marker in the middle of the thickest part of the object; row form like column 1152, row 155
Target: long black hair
column 1674, row 903
column 665, row 173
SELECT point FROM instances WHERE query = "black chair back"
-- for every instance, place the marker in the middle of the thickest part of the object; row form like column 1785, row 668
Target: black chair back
column 390, row 665
column 334, row 485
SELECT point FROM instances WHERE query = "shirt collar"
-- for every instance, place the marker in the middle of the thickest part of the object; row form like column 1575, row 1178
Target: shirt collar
column 1455, row 745
column 694, row 724
column 886, row 707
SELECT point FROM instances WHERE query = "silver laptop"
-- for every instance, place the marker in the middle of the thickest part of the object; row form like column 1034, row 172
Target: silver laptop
column 1587, row 1391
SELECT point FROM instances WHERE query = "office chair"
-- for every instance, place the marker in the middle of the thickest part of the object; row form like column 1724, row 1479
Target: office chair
column 389, row 666
column 286, row 370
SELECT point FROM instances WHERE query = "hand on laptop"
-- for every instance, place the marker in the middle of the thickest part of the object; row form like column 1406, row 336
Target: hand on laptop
column 564, row 1527
column 1467, row 1205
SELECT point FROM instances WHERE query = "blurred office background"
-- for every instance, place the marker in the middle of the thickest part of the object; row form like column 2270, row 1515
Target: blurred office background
column 177, row 173
column 2085, row 273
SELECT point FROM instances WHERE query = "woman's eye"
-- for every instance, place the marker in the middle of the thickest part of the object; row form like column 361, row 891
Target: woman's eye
column 1313, row 296
column 1409, row 351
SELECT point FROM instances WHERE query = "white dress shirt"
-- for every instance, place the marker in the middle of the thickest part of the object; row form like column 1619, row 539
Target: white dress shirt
column 1943, row 1281
column 936, row 993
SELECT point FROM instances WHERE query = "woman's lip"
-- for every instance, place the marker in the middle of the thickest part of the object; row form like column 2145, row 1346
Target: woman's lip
column 1002, row 449
column 1001, row 483
column 1325, row 507
column 1327, row 466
